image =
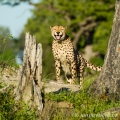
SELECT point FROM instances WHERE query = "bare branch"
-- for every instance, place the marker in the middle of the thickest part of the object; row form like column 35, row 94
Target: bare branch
column 82, row 29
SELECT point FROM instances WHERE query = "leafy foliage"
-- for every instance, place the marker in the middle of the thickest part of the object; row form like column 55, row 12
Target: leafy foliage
column 10, row 110
column 6, row 43
column 8, row 48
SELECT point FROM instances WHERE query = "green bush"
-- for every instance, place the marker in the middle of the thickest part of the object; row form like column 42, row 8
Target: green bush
column 11, row 110
column 84, row 104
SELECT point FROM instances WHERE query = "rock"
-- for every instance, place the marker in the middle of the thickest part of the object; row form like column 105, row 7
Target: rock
column 54, row 86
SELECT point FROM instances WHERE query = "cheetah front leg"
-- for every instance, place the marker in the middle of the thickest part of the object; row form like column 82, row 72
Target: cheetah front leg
column 57, row 67
column 71, row 78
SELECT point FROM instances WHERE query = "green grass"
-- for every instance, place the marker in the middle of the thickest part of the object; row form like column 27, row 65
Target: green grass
column 85, row 106
column 10, row 110
column 84, row 103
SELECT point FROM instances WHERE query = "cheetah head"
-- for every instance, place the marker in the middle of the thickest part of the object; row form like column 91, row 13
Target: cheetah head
column 58, row 32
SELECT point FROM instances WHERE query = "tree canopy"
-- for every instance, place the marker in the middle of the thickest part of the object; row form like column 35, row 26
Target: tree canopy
column 89, row 22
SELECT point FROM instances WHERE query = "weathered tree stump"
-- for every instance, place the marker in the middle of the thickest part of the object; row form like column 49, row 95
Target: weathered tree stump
column 29, row 86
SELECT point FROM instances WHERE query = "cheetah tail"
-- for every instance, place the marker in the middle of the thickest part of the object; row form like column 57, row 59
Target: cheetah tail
column 93, row 67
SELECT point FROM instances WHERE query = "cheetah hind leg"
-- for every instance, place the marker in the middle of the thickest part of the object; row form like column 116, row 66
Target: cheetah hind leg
column 81, row 73
column 69, row 79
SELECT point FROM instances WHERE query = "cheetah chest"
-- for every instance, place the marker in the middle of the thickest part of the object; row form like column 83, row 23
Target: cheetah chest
column 62, row 56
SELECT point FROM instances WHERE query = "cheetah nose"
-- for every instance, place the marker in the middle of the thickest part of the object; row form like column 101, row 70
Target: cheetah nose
column 58, row 33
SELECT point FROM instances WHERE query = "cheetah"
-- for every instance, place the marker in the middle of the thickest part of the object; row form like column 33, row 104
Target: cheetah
column 67, row 58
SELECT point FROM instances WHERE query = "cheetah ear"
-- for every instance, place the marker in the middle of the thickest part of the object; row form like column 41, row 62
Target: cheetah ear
column 65, row 27
column 51, row 27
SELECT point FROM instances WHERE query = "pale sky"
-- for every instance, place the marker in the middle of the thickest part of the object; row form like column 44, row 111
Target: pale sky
column 15, row 17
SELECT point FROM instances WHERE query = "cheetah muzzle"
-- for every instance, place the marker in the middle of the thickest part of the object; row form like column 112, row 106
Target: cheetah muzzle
column 58, row 35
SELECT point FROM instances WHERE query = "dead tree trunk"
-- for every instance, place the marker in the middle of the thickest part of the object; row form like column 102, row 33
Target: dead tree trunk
column 29, row 86
column 108, row 82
